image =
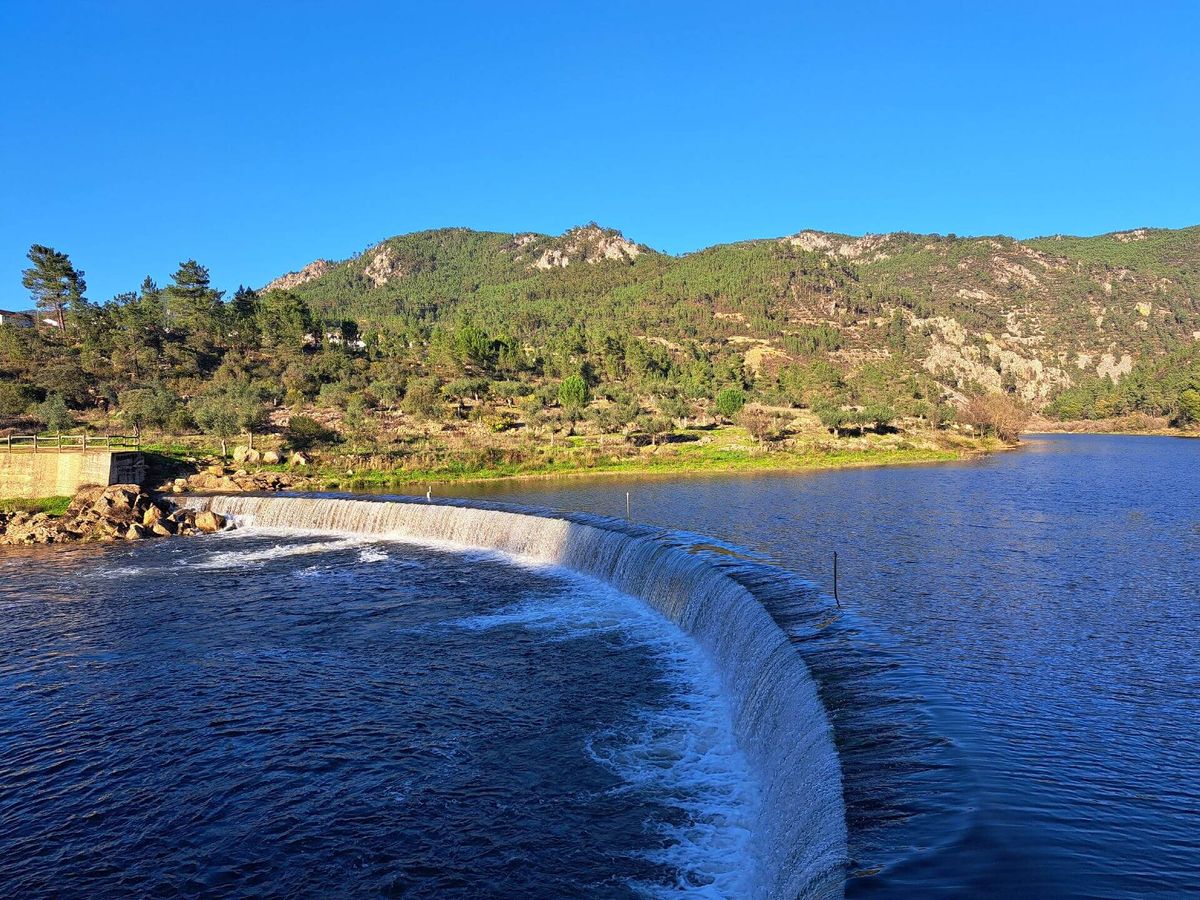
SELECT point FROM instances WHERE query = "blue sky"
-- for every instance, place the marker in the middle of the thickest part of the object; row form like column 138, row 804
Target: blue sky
column 258, row 136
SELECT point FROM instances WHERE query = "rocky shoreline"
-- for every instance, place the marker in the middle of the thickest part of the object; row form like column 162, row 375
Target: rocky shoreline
column 128, row 512
column 100, row 514
column 222, row 479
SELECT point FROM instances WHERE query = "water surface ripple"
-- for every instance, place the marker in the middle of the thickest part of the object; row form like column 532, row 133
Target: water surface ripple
column 284, row 715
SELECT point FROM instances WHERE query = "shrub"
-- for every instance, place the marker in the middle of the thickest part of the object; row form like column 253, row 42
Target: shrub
column 53, row 413
column 995, row 414
column 573, row 392
column 14, row 399
column 422, row 399
column 730, row 402
column 835, row 418
column 303, row 433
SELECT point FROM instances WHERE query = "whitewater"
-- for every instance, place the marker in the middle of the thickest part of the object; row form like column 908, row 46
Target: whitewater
column 798, row 837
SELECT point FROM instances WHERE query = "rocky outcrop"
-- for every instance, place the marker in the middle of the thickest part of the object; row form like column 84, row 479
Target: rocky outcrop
column 116, row 512
column 311, row 272
column 832, row 245
column 384, row 265
column 590, row 244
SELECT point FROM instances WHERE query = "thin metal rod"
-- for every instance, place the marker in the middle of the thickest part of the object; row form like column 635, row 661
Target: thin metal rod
column 835, row 579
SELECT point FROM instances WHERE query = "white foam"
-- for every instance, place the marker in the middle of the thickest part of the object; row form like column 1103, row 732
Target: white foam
column 120, row 572
column 241, row 558
column 686, row 754
column 683, row 753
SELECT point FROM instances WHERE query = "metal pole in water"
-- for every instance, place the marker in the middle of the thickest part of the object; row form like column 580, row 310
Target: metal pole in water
column 627, row 504
column 835, row 590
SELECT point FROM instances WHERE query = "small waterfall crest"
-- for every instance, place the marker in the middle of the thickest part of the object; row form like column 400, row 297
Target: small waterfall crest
column 778, row 718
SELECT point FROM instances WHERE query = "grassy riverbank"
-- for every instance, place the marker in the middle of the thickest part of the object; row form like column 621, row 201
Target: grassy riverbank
column 727, row 449
column 52, row 506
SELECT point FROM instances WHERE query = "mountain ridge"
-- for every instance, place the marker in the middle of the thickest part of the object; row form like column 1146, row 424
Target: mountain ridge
column 990, row 313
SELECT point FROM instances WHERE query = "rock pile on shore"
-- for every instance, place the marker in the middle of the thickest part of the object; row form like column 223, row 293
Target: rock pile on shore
column 222, row 479
column 116, row 512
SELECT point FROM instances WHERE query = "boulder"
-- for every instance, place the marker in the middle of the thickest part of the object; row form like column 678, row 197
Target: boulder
column 117, row 499
column 152, row 515
column 163, row 528
column 271, row 458
column 23, row 528
column 240, row 452
column 253, row 456
column 135, row 532
column 104, row 530
column 209, row 522
column 85, row 498
column 298, row 459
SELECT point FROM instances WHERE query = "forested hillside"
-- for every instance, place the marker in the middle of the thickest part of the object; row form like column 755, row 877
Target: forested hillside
column 959, row 315
column 518, row 330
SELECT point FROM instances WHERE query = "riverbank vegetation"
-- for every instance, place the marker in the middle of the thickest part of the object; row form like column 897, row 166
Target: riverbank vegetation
column 51, row 506
column 465, row 354
column 1166, row 388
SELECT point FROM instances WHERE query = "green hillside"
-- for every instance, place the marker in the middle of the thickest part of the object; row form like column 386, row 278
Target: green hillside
column 543, row 334
column 976, row 314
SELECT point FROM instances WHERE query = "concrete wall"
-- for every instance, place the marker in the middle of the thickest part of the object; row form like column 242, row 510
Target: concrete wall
column 55, row 473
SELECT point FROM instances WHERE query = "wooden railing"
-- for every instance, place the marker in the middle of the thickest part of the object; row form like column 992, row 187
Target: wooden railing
column 56, row 442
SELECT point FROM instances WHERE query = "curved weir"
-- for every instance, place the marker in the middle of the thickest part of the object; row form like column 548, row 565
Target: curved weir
column 777, row 715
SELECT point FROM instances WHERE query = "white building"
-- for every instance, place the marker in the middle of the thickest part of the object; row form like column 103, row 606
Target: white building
column 15, row 319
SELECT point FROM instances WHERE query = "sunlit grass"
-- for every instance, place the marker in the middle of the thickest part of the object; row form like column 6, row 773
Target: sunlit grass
column 55, row 506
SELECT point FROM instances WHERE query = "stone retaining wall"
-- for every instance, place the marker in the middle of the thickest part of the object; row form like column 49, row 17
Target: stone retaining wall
column 60, row 473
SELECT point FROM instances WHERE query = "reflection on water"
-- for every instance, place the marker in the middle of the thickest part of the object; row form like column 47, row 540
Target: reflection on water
column 1041, row 609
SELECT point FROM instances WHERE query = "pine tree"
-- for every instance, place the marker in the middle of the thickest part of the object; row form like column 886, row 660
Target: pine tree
column 192, row 305
column 53, row 282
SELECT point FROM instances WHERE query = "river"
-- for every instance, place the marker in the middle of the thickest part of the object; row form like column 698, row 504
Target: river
column 1013, row 681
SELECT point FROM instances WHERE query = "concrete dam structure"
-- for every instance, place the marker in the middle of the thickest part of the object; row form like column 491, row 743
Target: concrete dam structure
column 28, row 474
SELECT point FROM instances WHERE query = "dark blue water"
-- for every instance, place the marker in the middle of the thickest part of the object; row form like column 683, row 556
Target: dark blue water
column 267, row 715
column 1029, row 625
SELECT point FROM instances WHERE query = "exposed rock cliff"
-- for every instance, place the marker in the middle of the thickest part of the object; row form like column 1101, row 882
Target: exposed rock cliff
column 311, row 272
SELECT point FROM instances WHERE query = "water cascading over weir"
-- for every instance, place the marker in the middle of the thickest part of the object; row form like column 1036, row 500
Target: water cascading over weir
column 777, row 715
